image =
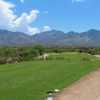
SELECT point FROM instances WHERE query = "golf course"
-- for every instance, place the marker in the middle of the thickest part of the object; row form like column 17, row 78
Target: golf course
column 31, row 80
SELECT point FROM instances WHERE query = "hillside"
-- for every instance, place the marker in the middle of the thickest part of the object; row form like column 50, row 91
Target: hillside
column 51, row 38
column 8, row 38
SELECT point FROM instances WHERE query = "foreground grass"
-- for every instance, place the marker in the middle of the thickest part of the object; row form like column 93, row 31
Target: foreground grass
column 31, row 80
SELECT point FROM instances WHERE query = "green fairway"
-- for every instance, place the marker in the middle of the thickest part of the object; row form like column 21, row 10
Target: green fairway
column 31, row 80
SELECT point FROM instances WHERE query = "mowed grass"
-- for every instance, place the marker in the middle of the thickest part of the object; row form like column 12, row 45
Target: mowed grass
column 31, row 80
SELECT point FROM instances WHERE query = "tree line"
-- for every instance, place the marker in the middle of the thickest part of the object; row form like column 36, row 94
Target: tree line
column 19, row 54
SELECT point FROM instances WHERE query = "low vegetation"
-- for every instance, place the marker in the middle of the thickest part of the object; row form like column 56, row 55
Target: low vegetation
column 19, row 54
column 31, row 80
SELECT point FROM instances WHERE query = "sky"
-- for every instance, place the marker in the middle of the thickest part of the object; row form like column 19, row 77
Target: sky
column 34, row 16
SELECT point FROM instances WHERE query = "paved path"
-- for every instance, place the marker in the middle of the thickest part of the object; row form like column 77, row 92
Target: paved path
column 88, row 88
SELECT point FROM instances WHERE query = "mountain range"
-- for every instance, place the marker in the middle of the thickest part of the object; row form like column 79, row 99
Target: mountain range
column 51, row 38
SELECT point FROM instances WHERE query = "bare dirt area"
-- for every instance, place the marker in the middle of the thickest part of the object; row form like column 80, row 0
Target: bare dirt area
column 98, row 56
column 88, row 88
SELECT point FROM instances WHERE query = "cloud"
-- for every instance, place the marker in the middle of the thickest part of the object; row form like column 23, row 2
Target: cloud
column 22, row 1
column 46, row 28
column 23, row 23
column 33, row 30
column 6, row 14
column 77, row 1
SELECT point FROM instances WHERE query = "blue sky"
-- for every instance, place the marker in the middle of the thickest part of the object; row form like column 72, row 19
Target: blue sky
column 65, row 15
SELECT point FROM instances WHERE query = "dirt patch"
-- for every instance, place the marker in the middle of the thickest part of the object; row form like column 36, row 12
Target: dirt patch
column 98, row 56
column 88, row 88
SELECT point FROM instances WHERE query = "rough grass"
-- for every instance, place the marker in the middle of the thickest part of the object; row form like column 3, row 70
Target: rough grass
column 31, row 80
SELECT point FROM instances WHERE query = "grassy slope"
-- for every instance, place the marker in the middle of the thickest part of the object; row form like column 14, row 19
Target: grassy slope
column 31, row 80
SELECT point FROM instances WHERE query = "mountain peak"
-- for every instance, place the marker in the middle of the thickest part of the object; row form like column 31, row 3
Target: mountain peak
column 93, row 30
column 51, row 38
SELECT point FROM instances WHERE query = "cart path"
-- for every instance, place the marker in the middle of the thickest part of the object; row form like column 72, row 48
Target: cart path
column 88, row 88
